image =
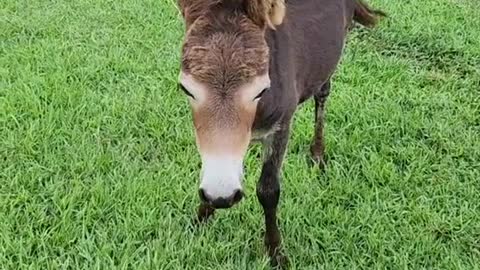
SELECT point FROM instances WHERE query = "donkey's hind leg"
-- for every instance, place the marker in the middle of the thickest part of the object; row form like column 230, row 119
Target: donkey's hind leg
column 317, row 148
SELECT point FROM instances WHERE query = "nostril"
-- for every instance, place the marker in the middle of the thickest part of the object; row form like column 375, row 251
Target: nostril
column 237, row 196
column 202, row 195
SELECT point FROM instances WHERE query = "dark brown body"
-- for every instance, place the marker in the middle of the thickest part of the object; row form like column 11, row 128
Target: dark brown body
column 304, row 53
column 230, row 44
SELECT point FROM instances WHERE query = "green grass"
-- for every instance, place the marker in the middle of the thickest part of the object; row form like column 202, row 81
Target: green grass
column 98, row 164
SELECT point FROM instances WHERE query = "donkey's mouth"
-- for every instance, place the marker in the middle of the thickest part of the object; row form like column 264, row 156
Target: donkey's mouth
column 221, row 203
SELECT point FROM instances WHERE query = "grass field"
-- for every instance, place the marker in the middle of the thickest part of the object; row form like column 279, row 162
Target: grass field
column 99, row 170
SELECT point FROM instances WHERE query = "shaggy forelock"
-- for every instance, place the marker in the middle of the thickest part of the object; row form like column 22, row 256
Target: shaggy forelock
column 224, row 51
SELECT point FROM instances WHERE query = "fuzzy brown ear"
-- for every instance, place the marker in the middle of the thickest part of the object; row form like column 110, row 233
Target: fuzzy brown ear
column 266, row 12
column 277, row 12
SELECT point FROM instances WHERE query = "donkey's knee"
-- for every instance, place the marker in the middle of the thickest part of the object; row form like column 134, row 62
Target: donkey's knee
column 268, row 194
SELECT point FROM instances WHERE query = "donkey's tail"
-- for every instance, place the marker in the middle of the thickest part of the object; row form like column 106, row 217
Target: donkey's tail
column 365, row 15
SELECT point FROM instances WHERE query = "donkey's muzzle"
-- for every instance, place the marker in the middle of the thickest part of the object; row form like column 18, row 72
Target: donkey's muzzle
column 221, row 203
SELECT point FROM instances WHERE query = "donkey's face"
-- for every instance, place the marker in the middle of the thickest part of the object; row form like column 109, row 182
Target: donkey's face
column 224, row 72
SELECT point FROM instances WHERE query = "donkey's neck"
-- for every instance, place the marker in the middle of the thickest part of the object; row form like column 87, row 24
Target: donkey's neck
column 277, row 102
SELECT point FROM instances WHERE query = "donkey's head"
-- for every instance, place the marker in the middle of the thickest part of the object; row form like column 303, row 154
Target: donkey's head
column 224, row 72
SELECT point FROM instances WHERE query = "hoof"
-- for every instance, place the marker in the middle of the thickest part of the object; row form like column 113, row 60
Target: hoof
column 278, row 258
column 205, row 212
column 318, row 158
column 279, row 261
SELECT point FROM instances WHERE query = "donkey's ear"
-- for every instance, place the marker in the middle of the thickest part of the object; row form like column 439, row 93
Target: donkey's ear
column 265, row 12
column 277, row 12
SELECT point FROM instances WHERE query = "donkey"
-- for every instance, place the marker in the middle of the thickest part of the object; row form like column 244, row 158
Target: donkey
column 246, row 65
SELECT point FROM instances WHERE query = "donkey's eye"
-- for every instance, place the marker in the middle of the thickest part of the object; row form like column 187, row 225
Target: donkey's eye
column 185, row 91
column 261, row 93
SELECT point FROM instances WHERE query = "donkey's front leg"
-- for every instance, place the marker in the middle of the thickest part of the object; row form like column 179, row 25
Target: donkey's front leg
column 205, row 211
column 268, row 193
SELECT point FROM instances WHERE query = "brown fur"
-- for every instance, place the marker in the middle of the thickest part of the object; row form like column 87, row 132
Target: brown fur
column 225, row 60
column 223, row 127
column 261, row 12
column 225, row 44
